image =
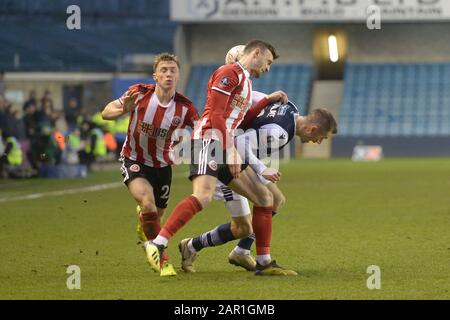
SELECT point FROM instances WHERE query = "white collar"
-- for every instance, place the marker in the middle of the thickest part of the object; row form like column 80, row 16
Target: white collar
column 247, row 74
column 162, row 105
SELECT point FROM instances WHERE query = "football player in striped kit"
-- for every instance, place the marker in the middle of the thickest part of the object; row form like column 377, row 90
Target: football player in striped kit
column 212, row 144
column 277, row 124
column 156, row 111
column 269, row 133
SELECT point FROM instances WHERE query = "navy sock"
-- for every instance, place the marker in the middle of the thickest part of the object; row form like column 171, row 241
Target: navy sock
column 219, row 235
column 246, row 243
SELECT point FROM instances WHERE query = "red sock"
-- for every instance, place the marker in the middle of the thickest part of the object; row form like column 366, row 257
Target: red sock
column 262, row 226
column 150, row 224
column 182, row 213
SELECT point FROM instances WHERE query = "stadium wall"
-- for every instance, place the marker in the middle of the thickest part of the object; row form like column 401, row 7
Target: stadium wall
column 293, row 41
column 395, row 146
column 419, row 42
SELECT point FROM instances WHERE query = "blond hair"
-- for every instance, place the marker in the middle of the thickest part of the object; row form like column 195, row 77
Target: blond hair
column 165, row 56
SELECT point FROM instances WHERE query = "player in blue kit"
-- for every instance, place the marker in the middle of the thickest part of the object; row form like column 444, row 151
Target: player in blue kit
column 268, row 133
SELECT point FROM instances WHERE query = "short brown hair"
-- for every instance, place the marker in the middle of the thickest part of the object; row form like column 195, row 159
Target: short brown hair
column 253, row 44
column 324, row 119
column 165, row 56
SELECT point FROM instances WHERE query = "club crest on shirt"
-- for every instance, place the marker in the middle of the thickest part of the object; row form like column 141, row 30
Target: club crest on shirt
column 213, row 165
column 135, row 168
column 176, row 121
column 224, row 82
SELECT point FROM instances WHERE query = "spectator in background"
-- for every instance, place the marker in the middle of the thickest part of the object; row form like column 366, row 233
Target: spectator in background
column 19, row 126
column 11, row 122
column 50, row 114
column 41, row 116
column 29, row 120
column 31, row 100
column 44, row 148
column 110, row 142
column 71, row 113
column 11, row 157
column 83, row 115
column 2, row 113
column 47, row 101
column 2, row 84
column 74, row 146
column 94, row 143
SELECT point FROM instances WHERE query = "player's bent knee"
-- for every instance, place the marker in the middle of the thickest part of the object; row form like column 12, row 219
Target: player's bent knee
column 204, row 199
column 147, row 206
column 265, row 199
column 278, row 202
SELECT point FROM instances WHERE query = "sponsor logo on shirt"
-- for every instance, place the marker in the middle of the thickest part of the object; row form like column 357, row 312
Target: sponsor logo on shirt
column 151, row 131
column 239, row 102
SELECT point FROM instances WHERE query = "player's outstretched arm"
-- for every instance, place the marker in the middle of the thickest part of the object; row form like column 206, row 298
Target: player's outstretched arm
column 277, row 96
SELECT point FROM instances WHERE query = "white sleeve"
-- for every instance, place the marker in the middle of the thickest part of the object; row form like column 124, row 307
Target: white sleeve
column 257, row 96
column 246, row 144
column 272, row 136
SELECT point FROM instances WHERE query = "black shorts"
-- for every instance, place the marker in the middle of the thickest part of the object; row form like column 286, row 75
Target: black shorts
column 159, row 178
column 207, row 158
column 225, row 174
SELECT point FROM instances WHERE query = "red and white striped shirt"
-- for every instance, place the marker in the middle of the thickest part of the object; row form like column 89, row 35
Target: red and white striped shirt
column 149, row 136
column 229, row 98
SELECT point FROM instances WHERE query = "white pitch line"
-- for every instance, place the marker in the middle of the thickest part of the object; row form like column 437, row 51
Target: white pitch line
column 97, row 187
column 32, row 196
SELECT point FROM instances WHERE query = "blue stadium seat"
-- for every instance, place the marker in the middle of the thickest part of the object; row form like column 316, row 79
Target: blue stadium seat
column 110, row 29
column 396, row 100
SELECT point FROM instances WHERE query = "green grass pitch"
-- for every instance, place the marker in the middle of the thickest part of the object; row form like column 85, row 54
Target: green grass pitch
column 340, row 218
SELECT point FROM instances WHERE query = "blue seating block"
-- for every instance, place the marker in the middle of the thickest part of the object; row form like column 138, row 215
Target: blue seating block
column 396, row 100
